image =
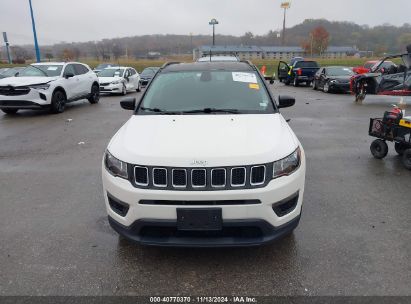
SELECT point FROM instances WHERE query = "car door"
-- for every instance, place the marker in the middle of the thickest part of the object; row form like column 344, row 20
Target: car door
column 129, row 85
column 323, row 78
column 134, row 78
column 317, row 77
column 71, row 82
column 283, row 70
column 84, row 85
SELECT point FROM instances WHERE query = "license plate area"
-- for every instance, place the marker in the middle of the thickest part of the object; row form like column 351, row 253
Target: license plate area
column 199, row 219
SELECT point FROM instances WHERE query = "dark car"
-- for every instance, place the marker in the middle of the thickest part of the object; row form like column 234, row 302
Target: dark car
column 147, row 75
column 297, row 72
column 333, row 79
column 11, row 72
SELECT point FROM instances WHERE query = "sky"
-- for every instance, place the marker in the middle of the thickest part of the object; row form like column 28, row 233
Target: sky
column 88, row 20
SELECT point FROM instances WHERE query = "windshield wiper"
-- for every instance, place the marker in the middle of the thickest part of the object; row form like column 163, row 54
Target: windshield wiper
column 212, row 110
column 157, row 110
column 40, row 70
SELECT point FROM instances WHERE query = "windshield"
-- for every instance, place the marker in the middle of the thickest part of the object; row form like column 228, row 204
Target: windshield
column 212, row 91
column 105, row 65
column 149, row 72
column 41, row 71
column 111, row 73
column 337, row 71
column 11, row 72
column 306, row 64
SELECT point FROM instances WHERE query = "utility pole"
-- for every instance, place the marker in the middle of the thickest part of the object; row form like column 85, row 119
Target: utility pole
column 6, row 41
column 36, row 45
column 213, row 22
column 284, row 5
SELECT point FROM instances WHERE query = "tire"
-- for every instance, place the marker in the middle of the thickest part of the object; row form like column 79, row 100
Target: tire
column 139, row 87
column 287, row 82
column 124, row 90
column 94, row 95
column 400, row 148
column 379, row 149
column 295, row 82
column 314, row 85
column 326, row 88
column 406, row 159
column 10, row 111
column 308, row 84
column 58, row 102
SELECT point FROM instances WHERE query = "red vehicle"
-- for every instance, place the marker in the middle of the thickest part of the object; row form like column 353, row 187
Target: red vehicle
column 367, row 67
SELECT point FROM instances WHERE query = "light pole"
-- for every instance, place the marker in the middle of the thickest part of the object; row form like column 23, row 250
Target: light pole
column 284, row 5
column 213, row 22
column 36, row 45
column 6, row 41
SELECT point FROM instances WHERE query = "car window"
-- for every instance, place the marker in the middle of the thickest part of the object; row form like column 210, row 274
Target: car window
column 69, row 70
column 111, row 73
column 41, row 70
column 194, row 90
column 80, row 69
column 133, row 72
column 339, row 71
column 306, row 64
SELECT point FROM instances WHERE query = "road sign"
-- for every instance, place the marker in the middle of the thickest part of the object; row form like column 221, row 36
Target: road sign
column 285, row 4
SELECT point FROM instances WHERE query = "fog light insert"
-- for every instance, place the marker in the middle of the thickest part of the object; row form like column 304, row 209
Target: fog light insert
column 117, row 206
column 287, row 205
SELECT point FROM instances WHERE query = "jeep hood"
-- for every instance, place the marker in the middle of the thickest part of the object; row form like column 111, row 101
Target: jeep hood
column 218, row 140
column 24, row 81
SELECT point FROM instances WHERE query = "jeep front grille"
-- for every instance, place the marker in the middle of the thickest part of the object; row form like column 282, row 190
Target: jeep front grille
column 200, row 179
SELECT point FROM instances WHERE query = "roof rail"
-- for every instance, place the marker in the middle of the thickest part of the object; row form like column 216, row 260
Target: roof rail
column 169, row 63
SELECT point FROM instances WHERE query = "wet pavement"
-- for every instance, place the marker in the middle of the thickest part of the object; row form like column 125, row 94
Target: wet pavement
column 353, row 238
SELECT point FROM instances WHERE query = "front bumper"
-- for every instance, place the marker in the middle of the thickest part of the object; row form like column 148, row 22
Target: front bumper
column 260, row 216
column 112, row 88
column 34, row 99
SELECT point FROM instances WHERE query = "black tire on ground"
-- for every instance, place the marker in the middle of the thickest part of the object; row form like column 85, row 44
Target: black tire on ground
column 124, row 90
column 295, row 82
column 10, row 111
column 280, row 80
column 379, row 148
column 94, row 95
column 406, row 159
column 287, row 82
column 58, row 102
column 139, row 87
column 400, row 148
column 308, row 84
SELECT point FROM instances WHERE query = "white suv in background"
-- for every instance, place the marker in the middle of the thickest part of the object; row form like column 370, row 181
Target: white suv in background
column 48, row 85
column 119, row 80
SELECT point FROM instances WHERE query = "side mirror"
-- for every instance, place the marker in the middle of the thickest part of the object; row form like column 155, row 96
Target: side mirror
column 285, row 101
column 128, row 103
column 68, row 75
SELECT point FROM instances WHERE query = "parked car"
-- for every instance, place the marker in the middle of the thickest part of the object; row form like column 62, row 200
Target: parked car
column 147, row 75
column 193, row 166
column 395, row 80
column 299, row 71
column 217, row 58
column 333, row 79
column 48, row 85
column 11, row 72
column 368, row 66
column 103, row 66
column 119, row 80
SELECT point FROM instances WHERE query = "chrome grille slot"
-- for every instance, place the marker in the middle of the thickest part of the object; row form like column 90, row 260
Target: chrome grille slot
column 238, row 177
column 179, row 177
column 257, row 175
column 141, row 176
column 218, row 178
column 160, row 177
column 198, row 178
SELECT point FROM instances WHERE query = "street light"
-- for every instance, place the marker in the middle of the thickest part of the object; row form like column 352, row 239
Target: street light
column 285, row 5
column 36, row 45
column 213, row 22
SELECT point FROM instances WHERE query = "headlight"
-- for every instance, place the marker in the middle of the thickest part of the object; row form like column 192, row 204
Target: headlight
column 43, row 86
column 116, row 82
column 114, row 166
column 333, row 81
column 287, row 165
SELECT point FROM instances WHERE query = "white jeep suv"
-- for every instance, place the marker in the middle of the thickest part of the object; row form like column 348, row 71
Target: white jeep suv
column 206, row 160
column 48, row 85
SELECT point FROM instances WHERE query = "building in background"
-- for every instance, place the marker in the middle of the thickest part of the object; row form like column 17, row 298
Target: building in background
column 270, row 52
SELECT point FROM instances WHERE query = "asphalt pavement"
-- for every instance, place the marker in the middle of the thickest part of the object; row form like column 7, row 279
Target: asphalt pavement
column 353, row 239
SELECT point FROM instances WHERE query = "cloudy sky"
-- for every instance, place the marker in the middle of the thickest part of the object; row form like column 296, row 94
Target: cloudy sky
column 84, row 20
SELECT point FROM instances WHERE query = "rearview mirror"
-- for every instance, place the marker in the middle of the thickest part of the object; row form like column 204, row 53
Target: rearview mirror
column 128, row 103
column 285, row 101
column 68, row 75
